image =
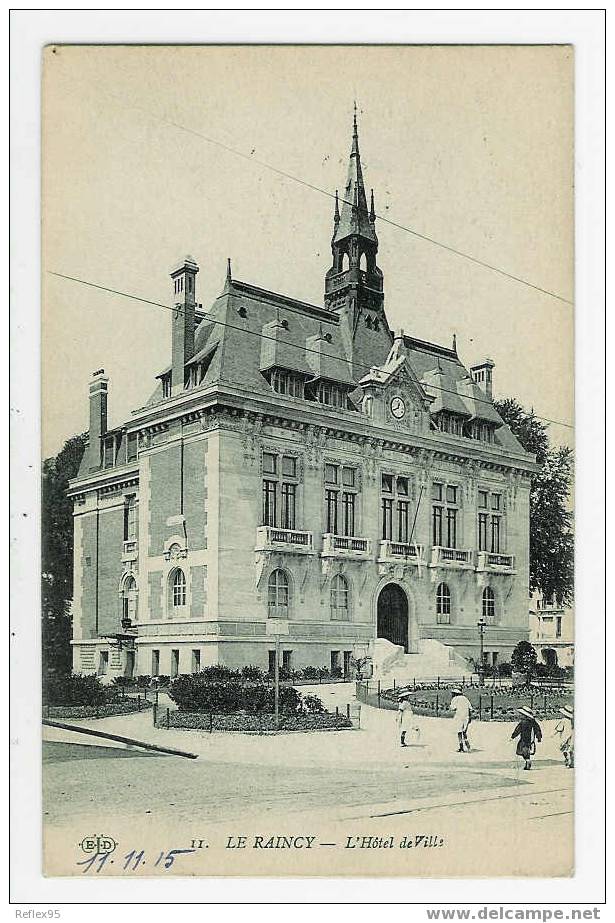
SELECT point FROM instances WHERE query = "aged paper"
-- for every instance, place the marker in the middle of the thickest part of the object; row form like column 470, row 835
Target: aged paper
column 299, row 566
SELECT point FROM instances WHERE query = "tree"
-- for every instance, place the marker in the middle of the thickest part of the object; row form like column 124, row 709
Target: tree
column 551, row 535
column 57, row 555
column 524, row 659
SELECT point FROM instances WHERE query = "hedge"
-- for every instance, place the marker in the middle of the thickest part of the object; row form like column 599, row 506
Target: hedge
column 252, row 723
column 104, row 710
column 195, row 693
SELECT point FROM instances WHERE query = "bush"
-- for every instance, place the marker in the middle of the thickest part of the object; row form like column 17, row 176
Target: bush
column 311, row 673
column 313, row 705
column 337, row 673
column 123, row 681
column 161, row 680
column 143, row 680
column 252, row 673
column 198, row 693
column 76, row 689
column 505, row 669
column 218, row 674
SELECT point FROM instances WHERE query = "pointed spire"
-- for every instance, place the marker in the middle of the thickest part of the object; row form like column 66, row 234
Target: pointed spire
column 355, row 133
column 228, row 282
column 455, row 343
column 354, row 217
column 336, row 216
column 372, row 209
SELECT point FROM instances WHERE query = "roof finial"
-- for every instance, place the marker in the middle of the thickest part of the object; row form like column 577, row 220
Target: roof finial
column 336, row 216
column 455, row 343
column 355, row 132
column 228, row 282
column 372, row 210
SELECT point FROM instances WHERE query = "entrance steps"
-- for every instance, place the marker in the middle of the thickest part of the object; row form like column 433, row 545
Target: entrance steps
column 433, row 659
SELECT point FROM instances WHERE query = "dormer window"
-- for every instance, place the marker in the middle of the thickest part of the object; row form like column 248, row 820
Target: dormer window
column 331, row 394
column 289, row 383
column 166, row 385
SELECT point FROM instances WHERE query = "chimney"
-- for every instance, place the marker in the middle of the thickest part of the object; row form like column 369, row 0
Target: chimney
column 482, row 374
column 184, row 299
column 98, row 416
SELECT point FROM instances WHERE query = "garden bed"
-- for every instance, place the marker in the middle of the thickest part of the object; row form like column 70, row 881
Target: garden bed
column 250, row 723
column 488, row 704
column 104, row 710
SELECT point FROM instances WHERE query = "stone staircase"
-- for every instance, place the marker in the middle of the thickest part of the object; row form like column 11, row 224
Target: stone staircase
column 390, row 662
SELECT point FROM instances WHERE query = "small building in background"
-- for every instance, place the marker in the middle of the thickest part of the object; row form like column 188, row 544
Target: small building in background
column 552, row 631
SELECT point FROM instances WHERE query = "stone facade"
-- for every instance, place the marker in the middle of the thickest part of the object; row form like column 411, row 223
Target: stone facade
column 315, row 472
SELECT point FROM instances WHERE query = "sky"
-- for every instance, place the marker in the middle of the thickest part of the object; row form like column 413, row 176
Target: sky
column 471, row 146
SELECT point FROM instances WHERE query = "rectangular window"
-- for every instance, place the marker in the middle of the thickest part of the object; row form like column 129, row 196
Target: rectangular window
column 289, row 493
column 348, row 477
column 270, row 495
column 166, row 386
column 347, row 662
column 196, row 661
column 289, row 466
column 270, row 463
column 331, row 498
column 495, row 501
column 132, row 446
column 387, row 518
column 109, row 453
column 103, row 664
column 287, row 660
column 495, row 534
column 482, row 499
column 335, row 661
column 348, row 504
column 436, row 530
column 451, row 528
column 558, row 626
column 387, row 483
column 174, row 663
column 331, row 474
column 402, row 520
column 402, row 487
column 130, row 519
column 451, row 494
column 437, row 491
column 482, row 531
column 271, row 662
column 155, row 663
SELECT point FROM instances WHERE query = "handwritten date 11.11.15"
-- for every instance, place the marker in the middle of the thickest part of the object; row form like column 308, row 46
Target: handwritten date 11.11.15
column 132, row 861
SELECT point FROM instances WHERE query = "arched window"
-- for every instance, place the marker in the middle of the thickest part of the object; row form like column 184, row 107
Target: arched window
column 488, row 604
column 340, row 598
column 129, row 599
column 278, row 595
column 363, row 263
column 178, row 588
column 345, row 262
column 443, row 605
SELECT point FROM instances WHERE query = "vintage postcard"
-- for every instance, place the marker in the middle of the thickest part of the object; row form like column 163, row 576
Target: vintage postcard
column 307, row 363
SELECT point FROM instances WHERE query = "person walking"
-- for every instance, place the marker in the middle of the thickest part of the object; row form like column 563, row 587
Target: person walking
column 405, row 718
column 565, row 728
column 529, row 734
column 462, row 707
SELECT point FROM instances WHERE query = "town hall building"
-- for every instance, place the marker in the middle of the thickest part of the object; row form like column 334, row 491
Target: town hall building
column 301, row 471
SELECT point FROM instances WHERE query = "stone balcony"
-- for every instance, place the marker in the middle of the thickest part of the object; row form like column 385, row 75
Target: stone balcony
column 130, row 551
column 495, row 563
column 345, row 546
column 269, row 538
column 398, row 552
column 462, row 558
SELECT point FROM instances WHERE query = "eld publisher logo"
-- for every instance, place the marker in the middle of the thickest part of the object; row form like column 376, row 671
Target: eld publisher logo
column 98, row 844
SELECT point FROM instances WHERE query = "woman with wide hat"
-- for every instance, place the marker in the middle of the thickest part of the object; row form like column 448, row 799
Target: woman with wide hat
column 565, row 728
column 529, row 734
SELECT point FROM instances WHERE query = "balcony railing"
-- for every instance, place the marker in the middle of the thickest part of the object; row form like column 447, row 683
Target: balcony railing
column 451, row 557
column 410, row 552
column 269, row 537
column 130, row 550
column 492, row 561
column 345, row 545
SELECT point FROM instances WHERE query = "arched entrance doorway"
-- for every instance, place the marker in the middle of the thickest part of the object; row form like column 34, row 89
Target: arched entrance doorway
column 549, row 656
column 393, row 615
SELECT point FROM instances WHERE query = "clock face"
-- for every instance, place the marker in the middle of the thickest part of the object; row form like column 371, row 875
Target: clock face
column 398, row 408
